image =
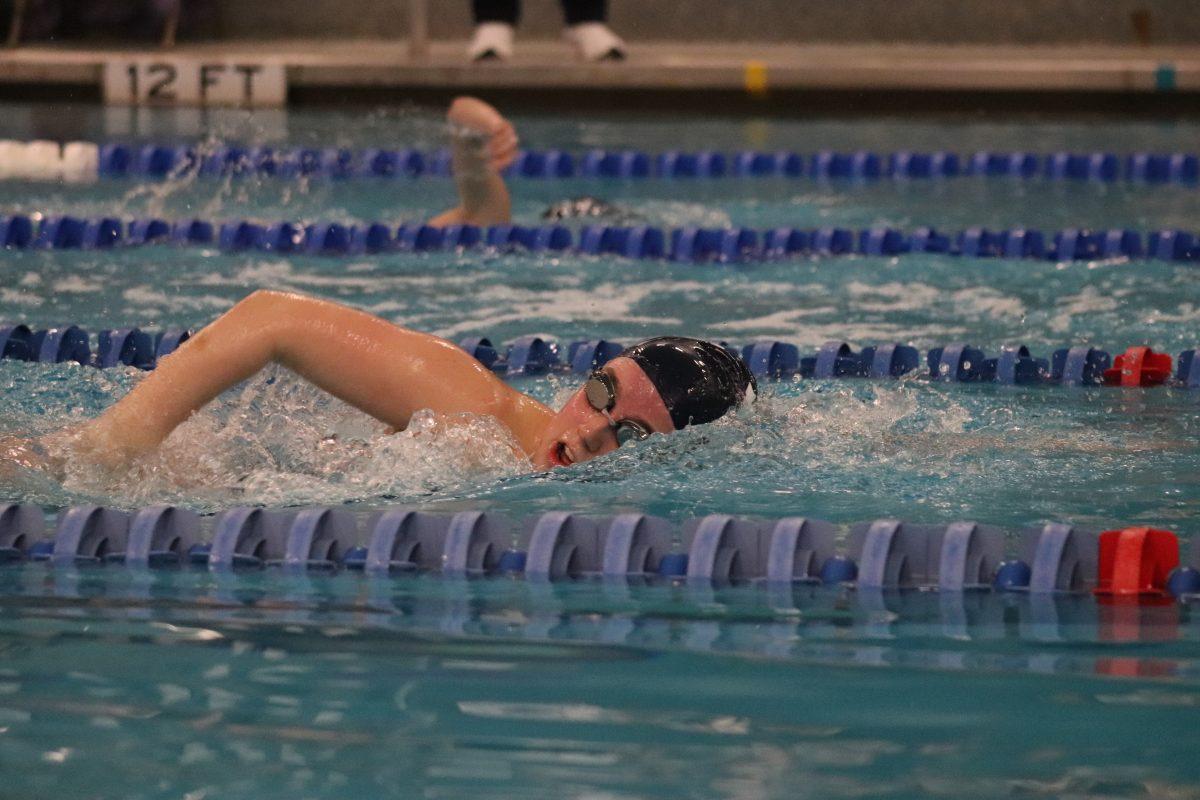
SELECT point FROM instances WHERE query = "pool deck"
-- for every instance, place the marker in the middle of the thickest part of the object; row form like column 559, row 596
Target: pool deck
column 658, row 67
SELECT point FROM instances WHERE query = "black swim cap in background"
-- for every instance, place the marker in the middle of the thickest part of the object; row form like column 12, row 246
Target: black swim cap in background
column 698, row 381
column 586, row 208
column 579, row 207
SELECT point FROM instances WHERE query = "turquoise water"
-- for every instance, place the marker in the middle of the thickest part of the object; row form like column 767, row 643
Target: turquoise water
column 121, row 684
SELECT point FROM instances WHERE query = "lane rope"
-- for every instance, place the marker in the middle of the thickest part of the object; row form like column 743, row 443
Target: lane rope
column 1132, row 564
column 772, row 359
column 686, row 244
column 78, row 161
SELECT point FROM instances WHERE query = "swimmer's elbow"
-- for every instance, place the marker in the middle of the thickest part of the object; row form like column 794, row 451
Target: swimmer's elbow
column 460, row 107
column 264, row 319
column 267, row 300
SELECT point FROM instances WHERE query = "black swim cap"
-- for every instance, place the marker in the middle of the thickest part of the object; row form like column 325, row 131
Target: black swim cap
column 586, row 207
column 698, row 381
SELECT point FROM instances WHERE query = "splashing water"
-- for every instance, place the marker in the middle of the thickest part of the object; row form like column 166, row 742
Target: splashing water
column 280, row 441
column 842, row 450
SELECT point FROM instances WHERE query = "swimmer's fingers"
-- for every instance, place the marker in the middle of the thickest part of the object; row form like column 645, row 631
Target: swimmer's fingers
column 502, row 147
column 28, row 454
column 473, row 113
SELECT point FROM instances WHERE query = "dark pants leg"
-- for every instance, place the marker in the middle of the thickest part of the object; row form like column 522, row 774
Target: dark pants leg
column 577, row 11
column 497, row 11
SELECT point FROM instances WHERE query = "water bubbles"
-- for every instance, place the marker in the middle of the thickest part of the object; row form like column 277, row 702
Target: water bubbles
column 280, row 441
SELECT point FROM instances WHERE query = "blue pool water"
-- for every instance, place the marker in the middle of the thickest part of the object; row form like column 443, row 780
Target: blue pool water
column 117, row 684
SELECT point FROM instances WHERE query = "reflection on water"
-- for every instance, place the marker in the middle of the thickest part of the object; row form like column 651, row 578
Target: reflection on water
column 263, row 684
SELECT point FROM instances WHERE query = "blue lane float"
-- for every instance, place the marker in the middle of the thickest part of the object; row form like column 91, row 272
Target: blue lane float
column 89, row 534
column 21, row 526
column 721, row 549
column 899, row 555
column 131, row 347
column 838, row 360
column 883, row 555
column 767, row 359
column 688, row 244
column 1055, row 558
column 116, row 160
column 60, row 344
column 402, row 540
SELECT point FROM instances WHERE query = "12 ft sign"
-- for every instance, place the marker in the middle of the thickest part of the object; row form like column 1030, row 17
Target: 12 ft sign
column 191, row 82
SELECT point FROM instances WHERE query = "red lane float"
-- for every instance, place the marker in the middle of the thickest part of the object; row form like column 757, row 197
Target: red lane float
column 1136, row 562
column 1139, row 366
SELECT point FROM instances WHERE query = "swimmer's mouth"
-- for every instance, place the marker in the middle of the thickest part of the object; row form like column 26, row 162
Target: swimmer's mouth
column 559, row 456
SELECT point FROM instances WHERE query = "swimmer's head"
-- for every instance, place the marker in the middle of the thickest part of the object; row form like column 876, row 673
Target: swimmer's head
column 578, row 207
column 657, row 386
column 697, row 380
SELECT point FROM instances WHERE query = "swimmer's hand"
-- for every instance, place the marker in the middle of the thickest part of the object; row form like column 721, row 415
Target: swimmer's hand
column 17, row 453
column 473, row 116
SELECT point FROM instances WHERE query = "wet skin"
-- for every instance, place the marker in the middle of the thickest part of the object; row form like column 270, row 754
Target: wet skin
column 579, row 432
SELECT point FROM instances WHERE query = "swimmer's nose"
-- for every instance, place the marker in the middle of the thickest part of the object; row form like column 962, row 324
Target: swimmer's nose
column 595, row 432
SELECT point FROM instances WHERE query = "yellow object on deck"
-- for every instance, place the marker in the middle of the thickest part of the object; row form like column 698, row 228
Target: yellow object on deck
column 756, row 77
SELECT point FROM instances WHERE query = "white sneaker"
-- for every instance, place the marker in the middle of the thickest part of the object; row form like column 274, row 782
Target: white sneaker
column 492, row 40
column 595, row 41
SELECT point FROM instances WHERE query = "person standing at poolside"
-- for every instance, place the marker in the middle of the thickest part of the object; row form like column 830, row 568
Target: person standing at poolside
column 587, row 29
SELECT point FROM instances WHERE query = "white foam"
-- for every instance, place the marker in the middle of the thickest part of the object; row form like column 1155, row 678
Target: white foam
column 1185, row 312
column 158, row 301
column 1090, row 300
column 76, row 284
column 281, row 441
column 895, row 296
column 989, row 302
column 20, row 298
column 604, row 303
column 785, row 321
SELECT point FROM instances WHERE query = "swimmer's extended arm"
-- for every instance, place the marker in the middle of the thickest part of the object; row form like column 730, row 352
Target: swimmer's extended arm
column 385, row 370
column 482, row 143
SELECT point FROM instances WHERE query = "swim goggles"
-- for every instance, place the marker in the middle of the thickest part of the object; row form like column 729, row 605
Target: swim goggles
column 601, row 394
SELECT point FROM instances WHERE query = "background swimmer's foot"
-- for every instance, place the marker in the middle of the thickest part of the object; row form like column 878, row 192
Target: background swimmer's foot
column 493, row 41
column 595, row 41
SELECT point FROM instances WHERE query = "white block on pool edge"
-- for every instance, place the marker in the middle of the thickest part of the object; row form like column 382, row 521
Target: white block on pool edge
column 11, row 152
column 80, row 162
column 43, row 161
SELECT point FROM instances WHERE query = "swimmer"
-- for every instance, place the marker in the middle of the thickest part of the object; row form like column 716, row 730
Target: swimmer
column 483, row 145
column 658, row 386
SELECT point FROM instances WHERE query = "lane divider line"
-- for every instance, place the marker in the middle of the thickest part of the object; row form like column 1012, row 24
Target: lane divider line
column 1128, row 565
column 80, row 162
column 688, row 244
column 771, row 359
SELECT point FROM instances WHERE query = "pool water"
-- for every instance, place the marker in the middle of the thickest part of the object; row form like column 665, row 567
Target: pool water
column 115, row 683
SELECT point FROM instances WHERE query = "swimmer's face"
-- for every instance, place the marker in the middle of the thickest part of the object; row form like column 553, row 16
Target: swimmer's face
column 579, row 432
